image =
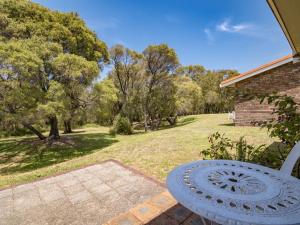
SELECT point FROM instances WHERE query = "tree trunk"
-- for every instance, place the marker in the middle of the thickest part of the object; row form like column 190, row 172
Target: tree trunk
column 146, row 122
column 67, row 126
column 172, row 120
column 33, row 130
column 54, row 132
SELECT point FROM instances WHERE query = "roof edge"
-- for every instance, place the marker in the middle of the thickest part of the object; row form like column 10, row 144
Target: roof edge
column 256, row 71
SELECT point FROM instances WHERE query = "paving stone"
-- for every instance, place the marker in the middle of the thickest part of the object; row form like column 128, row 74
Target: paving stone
column 6, row 193
column 128, row 189
column 55, row 207
column 107, row 177
column 52, row 195
column 68, row 182
column 6, row 202
column 35, row 216
column 108, row 197
column 24, row 188
column 74, row 189
column 100, row 190
column 85, row 177
column 137, row 197
column 44, row 188
column 125, row 219
column 117, row 183
column 6, row 207
column 168, row 194
column 11, row 220
column 162, row 201
column 80, row 197
column 26, row 200
column 79, row 172
column 65, row 216
column 179, row 213
column 95, row 168
column 123, row 205
column 132, row 179
column 145, row 212
column 95, row 182
column 63, row 177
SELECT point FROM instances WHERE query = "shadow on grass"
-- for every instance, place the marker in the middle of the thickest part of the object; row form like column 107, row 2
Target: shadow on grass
column 227, row 124
column 139, row 128
column 30, row 154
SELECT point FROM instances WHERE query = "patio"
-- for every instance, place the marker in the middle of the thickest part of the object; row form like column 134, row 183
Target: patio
column 92, row 195
column 106, row 193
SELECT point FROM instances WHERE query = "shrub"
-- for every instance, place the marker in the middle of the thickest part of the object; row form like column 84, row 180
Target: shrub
column 286, row 124
column 121, row 125
column 222, row 147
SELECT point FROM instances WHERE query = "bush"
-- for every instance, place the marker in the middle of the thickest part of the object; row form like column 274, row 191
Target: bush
column 121, row 125
column 286, row 124
column 222, row 147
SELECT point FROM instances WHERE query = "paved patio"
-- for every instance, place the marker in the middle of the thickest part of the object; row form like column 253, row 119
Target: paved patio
column 92, row 195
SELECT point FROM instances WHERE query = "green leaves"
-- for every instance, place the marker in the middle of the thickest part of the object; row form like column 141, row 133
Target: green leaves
column 48, row 59
column 286, row 122
column 222, row 147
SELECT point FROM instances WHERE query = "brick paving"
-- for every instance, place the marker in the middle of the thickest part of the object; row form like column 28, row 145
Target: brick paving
column 88, row 196
column 161, row 209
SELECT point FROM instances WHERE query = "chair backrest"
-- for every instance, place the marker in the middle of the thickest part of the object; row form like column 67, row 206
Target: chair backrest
column 291, row 160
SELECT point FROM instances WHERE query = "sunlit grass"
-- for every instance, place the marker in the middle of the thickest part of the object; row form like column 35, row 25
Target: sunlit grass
column 154, row 153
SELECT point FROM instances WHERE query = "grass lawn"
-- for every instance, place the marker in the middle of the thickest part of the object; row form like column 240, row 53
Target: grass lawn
column 154, row 153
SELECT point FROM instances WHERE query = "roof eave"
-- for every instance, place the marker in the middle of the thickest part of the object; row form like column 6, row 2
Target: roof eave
column 280, row 20
column 233, row 81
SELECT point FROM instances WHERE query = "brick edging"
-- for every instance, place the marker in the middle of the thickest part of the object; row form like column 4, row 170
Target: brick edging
column 85, row 166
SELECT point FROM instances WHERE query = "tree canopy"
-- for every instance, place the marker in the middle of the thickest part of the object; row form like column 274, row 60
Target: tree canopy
column 51, row 57
column 49, row 68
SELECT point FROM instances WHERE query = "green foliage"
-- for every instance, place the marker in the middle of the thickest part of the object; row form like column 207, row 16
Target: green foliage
column 195, row 72
column 189, row 99
column 222, row 147
column 286, row 122
column 121, row 125
column 48, row 60
column 105, row 96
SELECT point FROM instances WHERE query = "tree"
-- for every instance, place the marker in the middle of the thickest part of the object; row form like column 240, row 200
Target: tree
column 75, row 74
column 160, row 62
column 189, row 98
column 195, row 72
column 44, row 35
column 126, row 75
column 105, row 98
column 23, row 78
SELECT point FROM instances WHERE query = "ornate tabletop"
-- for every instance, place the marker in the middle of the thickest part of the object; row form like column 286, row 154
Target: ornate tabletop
column 233, row 192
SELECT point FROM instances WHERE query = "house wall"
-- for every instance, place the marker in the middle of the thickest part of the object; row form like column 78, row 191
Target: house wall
column 283, row 80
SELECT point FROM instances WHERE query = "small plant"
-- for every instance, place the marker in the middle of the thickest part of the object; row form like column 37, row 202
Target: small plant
column 121, row 125
column 286, row 122
column 222, row 147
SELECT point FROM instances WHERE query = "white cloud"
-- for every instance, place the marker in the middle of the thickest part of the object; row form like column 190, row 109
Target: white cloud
column 227, row 26
column 209, row 35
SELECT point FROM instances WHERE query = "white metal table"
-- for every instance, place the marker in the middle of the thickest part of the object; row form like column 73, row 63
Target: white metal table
column 233, row 192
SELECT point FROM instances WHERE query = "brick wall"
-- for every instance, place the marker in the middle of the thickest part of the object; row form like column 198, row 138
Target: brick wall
column 284, row 80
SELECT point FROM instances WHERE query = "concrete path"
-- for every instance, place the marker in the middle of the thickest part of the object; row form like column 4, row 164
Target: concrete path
column 88, row 196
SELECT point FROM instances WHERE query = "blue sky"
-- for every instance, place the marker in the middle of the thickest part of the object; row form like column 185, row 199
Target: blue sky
column 218, row 34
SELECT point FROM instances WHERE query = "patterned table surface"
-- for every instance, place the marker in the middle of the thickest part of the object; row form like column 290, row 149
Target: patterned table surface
column 233, row 192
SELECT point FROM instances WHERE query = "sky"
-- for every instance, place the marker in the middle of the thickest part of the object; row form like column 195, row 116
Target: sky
column 218, row 34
